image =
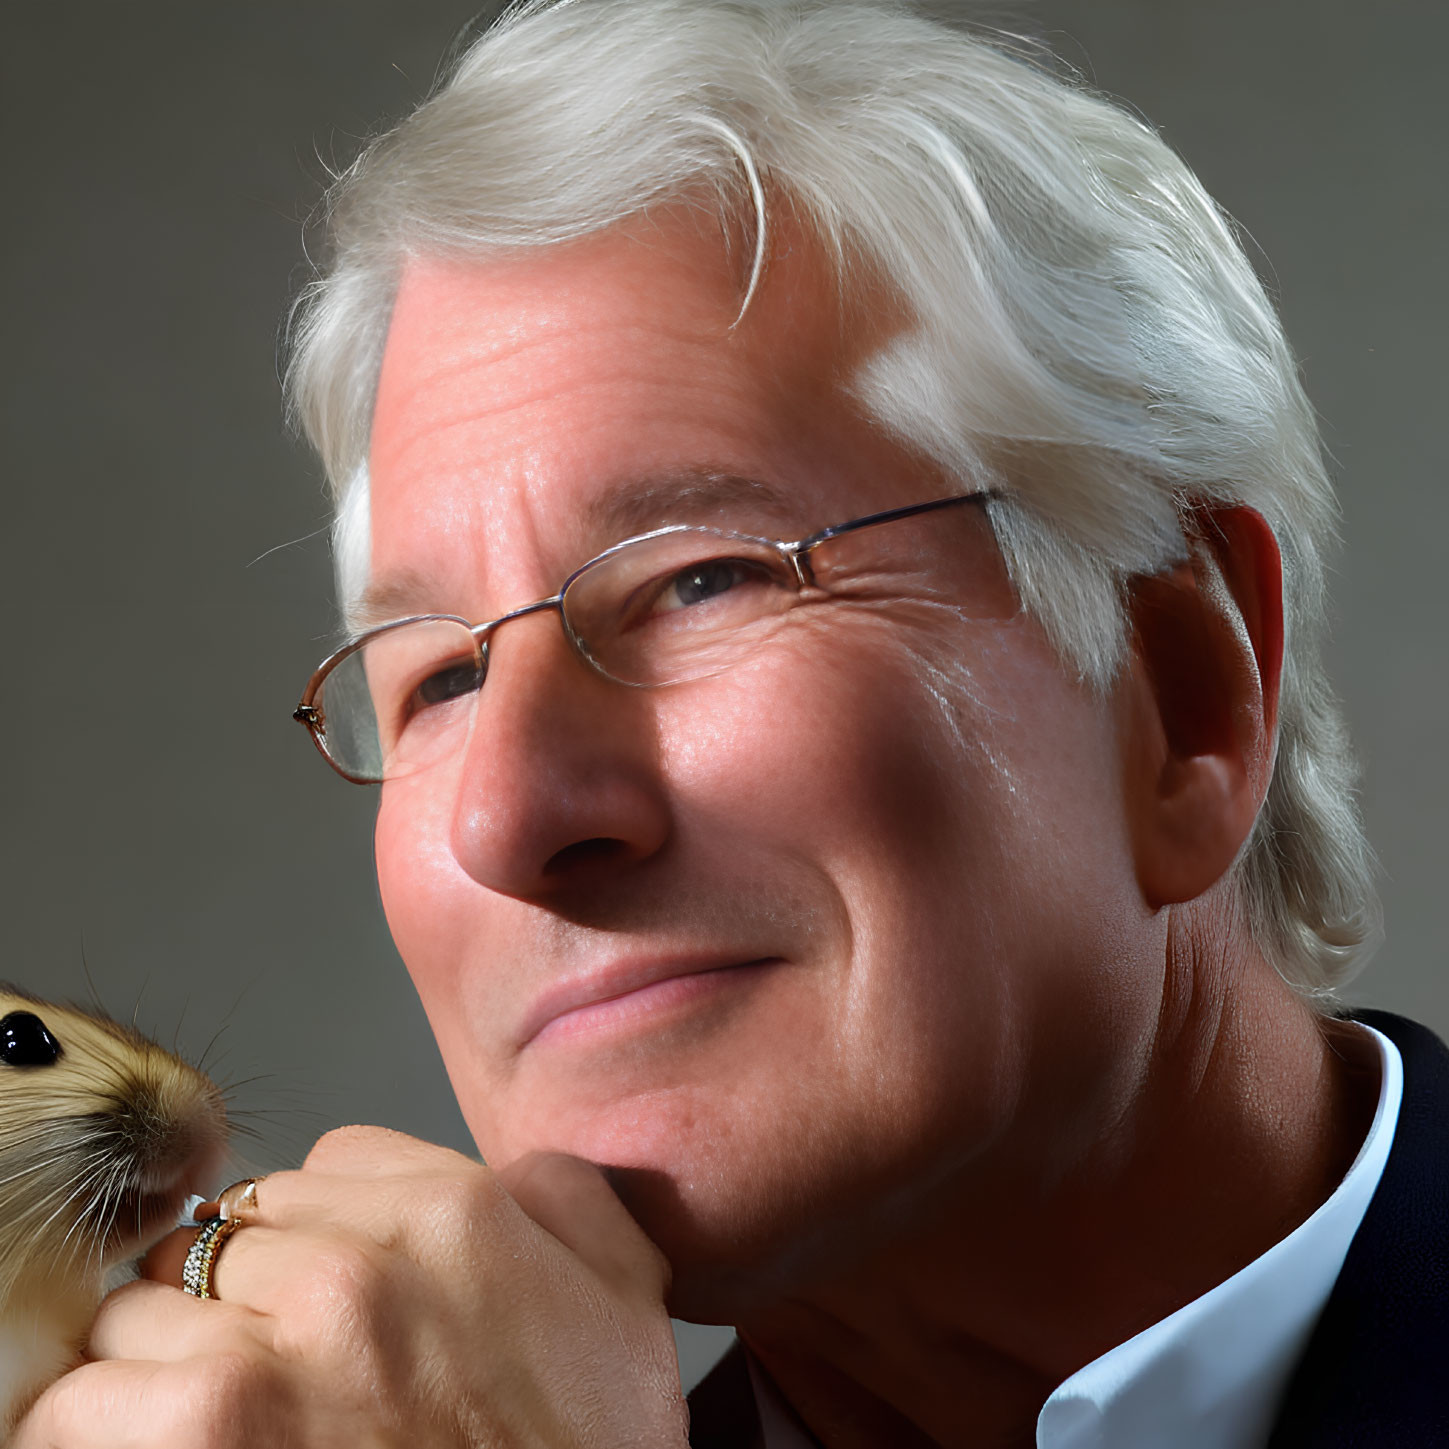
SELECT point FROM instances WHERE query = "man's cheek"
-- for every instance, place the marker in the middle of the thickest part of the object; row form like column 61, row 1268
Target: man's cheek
column 417, row 874
column 771, row 728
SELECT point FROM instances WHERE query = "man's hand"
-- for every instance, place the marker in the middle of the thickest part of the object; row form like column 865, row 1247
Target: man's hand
column 391, row 1293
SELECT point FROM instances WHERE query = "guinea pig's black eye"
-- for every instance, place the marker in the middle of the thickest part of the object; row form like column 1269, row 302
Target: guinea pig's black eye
column 25, row 1042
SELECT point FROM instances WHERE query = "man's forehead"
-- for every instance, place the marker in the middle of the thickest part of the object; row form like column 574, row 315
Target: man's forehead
column 495, row 336
column 675, row 259
column 525, row 292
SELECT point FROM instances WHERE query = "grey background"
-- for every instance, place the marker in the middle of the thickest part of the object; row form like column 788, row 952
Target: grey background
column 166, row 591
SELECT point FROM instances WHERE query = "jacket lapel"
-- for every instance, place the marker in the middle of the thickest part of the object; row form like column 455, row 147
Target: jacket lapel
column 722, row 1412
column 1375, row 1368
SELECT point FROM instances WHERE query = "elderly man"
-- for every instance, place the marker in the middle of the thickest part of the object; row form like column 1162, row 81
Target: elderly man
column 833, row 542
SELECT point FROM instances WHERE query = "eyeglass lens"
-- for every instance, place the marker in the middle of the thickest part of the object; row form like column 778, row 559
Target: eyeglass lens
column 662, row 610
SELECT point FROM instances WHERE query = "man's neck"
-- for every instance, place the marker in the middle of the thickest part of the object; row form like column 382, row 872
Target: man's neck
column 1250, row 1112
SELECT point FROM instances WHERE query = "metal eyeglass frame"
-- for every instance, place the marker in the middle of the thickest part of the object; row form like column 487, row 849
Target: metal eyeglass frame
column 797, row 553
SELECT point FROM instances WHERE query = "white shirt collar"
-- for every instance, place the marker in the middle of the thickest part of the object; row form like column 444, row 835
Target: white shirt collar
column 1212, row 1374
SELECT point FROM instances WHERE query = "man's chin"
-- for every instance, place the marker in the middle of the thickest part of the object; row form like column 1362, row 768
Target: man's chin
column 730, row 1247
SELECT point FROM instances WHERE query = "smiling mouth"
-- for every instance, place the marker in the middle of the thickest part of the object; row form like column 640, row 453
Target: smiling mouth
column 620, row 1002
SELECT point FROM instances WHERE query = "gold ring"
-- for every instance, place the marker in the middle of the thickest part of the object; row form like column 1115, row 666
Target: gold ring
column 201, row 1255
column 239, row 1200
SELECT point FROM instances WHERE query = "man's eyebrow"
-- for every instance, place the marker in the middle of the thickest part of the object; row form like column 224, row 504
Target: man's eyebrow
column 393, row 596
column 689, row 496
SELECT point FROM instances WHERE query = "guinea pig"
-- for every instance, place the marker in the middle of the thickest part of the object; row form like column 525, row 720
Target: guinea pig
column 103, row 1137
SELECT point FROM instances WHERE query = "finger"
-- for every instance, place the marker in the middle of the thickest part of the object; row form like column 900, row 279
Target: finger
column 319, row 1216
column 166, row 1260
column 256, row 1266
column 376, row 1152
column 97, row 1406
column 231, row 1401
column 315, row 1201
column 163, row 1263
column 153, row 1322
column 572, row 1199
column 391, row 1170
column 359, row 1152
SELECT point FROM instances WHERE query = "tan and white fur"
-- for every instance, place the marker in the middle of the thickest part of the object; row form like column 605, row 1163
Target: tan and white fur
column 99, row 1150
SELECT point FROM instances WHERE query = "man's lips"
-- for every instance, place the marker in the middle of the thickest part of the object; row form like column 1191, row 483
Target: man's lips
column 634, row 986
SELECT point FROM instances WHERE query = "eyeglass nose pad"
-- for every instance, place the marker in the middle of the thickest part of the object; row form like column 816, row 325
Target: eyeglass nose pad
column 804, row 573
column 577, row 642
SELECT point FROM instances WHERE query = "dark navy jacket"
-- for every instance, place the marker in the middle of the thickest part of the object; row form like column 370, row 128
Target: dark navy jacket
column 1375, row 1374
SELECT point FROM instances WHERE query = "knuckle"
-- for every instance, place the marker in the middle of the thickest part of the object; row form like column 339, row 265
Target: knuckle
column 215, row 1402
column 223, row 1392
column 464, row 1215
column 69, row 1408
column 347, row 1276
column 467, row 1199
column 342, row 1308
column 343, row 1143
column 60, row 1414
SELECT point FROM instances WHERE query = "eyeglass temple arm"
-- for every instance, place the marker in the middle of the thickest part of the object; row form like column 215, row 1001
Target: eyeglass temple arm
column 890, row 515
column 798, row 552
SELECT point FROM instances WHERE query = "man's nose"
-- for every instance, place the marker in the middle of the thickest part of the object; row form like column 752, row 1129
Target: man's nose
column 560, row 785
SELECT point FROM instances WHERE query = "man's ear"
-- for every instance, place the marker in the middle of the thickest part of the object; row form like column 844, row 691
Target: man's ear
column 1201, row 697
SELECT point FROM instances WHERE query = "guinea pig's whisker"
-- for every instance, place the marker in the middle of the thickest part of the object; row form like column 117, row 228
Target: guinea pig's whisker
column 44, row 1133
column 74, row 1193
column 84, row 1170
column 41, row 1166
column 99, row 1216
column 99, row 1192
column 75, row 1182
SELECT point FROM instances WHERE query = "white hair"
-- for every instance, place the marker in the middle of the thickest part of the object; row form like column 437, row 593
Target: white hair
column 1086, row 332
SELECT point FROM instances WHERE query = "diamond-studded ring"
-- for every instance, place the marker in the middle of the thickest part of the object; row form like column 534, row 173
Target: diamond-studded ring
column 201, row 1255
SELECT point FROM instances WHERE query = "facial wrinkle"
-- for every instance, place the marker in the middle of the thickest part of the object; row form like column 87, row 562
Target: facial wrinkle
column 666, row 908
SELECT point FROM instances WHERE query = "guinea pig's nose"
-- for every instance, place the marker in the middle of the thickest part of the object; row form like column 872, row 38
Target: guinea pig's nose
column 25, row 1041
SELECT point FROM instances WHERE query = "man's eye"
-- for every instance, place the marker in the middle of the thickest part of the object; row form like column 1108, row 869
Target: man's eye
column 451, row 682
column 703, row 581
